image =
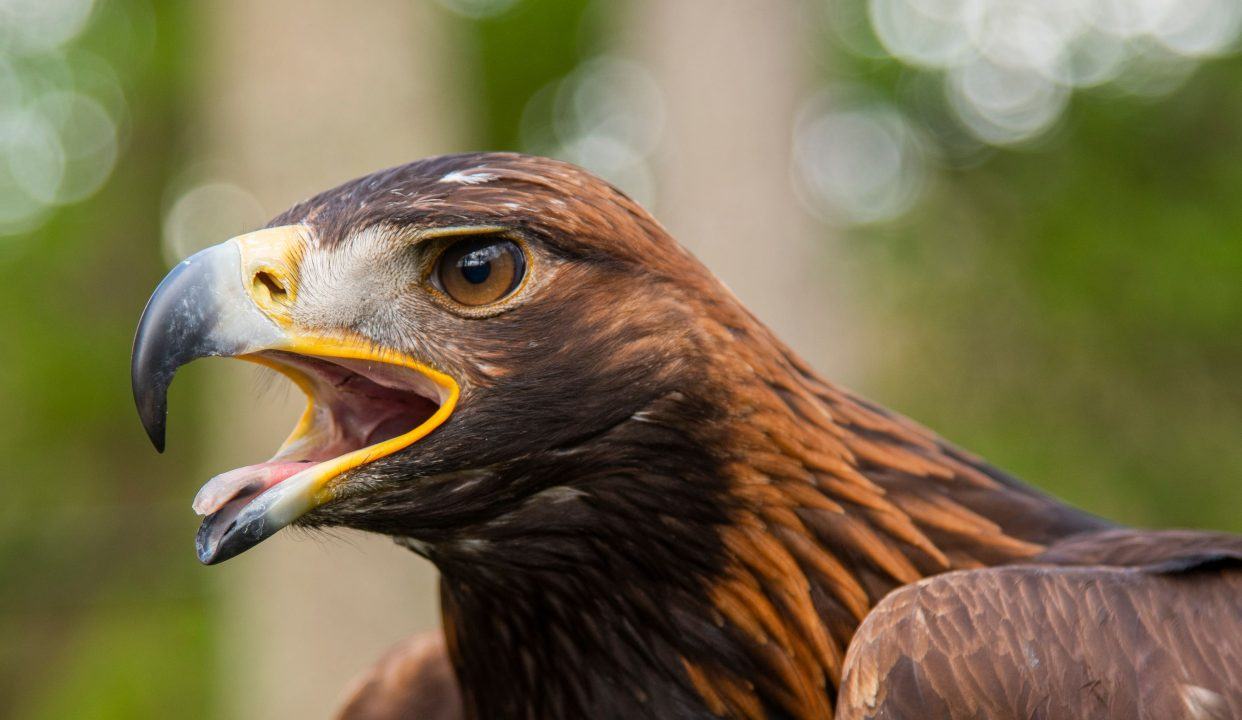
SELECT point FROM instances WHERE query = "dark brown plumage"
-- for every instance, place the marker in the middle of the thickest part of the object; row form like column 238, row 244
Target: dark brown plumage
column 645, row 505
column 1089, row 639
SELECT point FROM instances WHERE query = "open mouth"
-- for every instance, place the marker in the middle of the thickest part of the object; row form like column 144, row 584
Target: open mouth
column 364, row 401
column 360, row 408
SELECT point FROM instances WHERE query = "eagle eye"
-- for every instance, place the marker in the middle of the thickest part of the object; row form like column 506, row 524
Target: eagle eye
column 480, row 271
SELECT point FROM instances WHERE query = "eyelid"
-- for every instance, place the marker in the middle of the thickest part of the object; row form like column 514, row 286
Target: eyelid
column 423, row 235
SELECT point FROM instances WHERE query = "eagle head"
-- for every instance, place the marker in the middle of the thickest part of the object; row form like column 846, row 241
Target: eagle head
column 482, row 339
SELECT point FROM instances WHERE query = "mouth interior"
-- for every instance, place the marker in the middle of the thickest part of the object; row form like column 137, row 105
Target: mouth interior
column 352, row 405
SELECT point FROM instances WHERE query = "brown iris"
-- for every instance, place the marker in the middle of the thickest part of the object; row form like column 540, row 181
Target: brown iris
column 479, row 271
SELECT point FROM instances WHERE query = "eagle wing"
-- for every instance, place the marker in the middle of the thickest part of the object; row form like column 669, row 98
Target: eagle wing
column 1121, row 624
column 413, row 680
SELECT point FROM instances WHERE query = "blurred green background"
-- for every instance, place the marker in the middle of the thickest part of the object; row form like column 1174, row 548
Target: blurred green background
column 1034, row 232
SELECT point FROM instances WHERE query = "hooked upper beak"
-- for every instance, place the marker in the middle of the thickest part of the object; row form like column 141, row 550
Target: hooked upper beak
column 363, row 403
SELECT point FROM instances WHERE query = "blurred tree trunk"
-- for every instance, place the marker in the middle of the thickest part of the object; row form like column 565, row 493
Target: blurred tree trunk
column 733, row 74
column 298, row 97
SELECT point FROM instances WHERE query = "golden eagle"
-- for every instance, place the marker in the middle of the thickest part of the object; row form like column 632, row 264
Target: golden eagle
column 643, row 504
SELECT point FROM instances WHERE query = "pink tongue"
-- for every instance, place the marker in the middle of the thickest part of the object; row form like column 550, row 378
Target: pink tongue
column 249, row 480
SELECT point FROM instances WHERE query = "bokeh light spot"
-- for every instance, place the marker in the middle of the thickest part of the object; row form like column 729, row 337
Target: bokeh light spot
column 1004, row 105
column 1009, row 64
column 607, row 116
column 477, row 9
column 34, row 26
column 206, row 214
column 857, row 163
column 60, row 111
column 87, row 137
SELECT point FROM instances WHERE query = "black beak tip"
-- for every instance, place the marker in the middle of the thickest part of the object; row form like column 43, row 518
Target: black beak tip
column 156, row 433
column 226, row 534
column 152, row 413
column 149, row 379
column 210, row 543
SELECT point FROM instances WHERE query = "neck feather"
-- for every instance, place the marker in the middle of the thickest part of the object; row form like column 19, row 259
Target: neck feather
column 713, row 554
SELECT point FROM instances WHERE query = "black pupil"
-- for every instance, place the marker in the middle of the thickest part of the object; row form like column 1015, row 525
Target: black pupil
column 476, row 266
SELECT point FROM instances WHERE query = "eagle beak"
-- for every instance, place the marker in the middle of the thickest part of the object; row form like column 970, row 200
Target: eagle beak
column 363, row 402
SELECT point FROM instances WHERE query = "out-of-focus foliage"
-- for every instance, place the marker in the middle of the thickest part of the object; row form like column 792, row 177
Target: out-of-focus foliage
column 102, row 611
column 1072, row 309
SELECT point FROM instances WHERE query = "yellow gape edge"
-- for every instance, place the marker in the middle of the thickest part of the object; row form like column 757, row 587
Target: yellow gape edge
column 355, row 349
column 271, row 259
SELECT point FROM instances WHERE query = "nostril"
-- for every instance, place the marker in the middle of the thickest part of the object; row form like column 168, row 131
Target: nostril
column 274, row 288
